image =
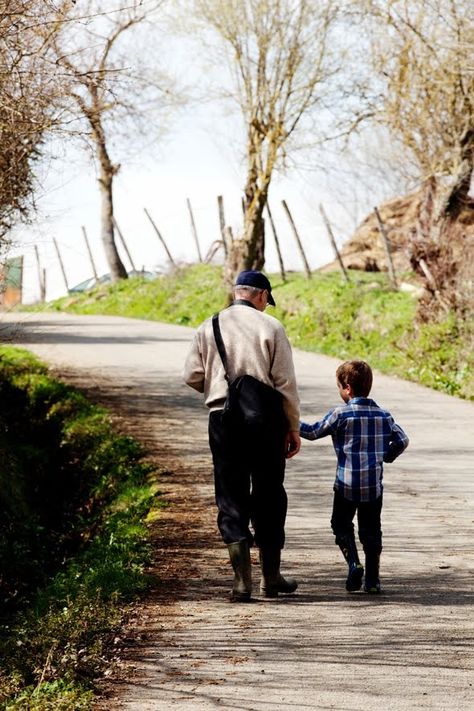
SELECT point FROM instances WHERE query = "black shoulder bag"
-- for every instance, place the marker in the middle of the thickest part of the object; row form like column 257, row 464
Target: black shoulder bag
column 248, row 400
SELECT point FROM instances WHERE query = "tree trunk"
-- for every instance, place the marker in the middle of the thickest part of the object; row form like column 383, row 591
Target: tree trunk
column 254, row 228
column 256, row 193
column 249, row 251
column 117, row 269
column 107, row 172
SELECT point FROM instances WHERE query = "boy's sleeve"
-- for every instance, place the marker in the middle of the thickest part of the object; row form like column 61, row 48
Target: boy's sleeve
column 323, row 428
column 398, row 443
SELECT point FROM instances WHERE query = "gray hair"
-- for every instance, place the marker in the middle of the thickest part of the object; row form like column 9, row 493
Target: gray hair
column 251, row 290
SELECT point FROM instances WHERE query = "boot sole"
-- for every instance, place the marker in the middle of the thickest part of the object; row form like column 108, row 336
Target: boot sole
column 240, row 597
column 265, row 592
column 373, row 590
column 268, row 593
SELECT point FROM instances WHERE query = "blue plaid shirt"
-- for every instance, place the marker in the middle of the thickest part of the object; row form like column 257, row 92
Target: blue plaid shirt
column 364, row 436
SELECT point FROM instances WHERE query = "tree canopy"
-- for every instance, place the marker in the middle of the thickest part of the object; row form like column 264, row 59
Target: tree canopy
column 28, row 88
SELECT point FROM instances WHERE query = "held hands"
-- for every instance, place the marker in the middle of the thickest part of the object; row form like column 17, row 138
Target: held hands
column 292, row 444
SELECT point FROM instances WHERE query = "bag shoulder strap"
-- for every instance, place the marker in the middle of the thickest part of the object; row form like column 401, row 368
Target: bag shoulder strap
column 220, row 344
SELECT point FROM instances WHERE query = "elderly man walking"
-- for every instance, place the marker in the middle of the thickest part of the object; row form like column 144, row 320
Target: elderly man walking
column 249, row 459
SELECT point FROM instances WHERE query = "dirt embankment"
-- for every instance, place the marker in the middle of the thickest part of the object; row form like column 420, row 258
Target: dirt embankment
column 431, row 236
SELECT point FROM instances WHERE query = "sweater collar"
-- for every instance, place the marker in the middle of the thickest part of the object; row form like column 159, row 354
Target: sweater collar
column 243, row 302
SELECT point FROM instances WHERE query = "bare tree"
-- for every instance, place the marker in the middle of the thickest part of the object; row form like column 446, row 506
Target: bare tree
column 281, row 58
column 103, row 91
column 424, row 71
column 28, row 88
column 422, row 55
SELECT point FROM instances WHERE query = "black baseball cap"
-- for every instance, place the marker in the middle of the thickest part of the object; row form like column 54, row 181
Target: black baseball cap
column 256, row 279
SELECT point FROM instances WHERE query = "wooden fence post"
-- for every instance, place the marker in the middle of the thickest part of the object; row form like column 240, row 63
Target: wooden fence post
column 193, row 228
column 160, row 237
column 124, row 244
column 297, row 238
column 61, row 265
column 41, row 276
column 333, row 242
column 220, row 206
column 94, row 270
column 277, row 243
column 386, row 245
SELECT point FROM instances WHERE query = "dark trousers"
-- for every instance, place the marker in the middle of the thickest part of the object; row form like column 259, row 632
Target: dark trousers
column 249, row 471
column 368, row 520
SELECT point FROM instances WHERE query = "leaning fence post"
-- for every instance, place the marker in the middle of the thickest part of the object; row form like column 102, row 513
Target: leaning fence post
column 41, row 275
column 193, row 228
column 220, row 206
column 94, row 270
column 160, row 237
column 124, row 244
column 277, row 243
column 386, row 244
column 297, row 238
column 333, row 242
column 61, row 264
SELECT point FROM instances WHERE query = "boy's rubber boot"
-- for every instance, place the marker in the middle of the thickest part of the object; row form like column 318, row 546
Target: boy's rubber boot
column 272, row 581
column 372, row 566
column 348, row 547
column 239, row 554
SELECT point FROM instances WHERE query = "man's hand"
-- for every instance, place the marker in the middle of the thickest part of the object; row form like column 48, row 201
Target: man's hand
column 293, row 443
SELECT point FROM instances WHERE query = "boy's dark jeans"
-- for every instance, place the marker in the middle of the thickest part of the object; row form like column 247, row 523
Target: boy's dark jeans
column 249, row 471
column 368, row 519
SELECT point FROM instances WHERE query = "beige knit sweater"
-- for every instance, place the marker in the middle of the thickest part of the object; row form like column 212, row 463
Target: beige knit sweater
column 256, row 344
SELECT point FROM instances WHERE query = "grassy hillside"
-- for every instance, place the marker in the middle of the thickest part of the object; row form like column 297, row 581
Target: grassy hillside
column 74, row 502
column 364, row 319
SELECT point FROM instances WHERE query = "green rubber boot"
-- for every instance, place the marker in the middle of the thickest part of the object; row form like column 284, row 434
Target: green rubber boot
column 273, row 582
column 239, row 554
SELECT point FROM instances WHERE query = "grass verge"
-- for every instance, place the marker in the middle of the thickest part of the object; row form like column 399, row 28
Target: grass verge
column 364, row 319
column 74, row 502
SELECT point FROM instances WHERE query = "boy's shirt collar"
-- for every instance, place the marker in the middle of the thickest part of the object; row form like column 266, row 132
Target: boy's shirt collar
column 360, row 401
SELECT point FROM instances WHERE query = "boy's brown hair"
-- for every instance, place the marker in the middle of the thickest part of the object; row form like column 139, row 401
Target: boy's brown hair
column 357, row 374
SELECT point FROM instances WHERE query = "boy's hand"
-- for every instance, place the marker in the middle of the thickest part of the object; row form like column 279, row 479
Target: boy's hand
column 293, row 443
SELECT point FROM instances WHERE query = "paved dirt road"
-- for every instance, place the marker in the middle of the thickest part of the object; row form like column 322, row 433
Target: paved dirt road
column 411, row 648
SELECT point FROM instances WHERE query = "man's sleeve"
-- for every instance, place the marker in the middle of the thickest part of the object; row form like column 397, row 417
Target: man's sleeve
column 193, row 367
column 398, row 444
column 284, row 378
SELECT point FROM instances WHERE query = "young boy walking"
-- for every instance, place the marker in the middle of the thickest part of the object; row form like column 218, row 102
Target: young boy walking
column 364, row 436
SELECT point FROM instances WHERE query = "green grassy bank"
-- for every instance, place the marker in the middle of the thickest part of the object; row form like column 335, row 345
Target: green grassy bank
column 74, row 502
column 363, row 319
